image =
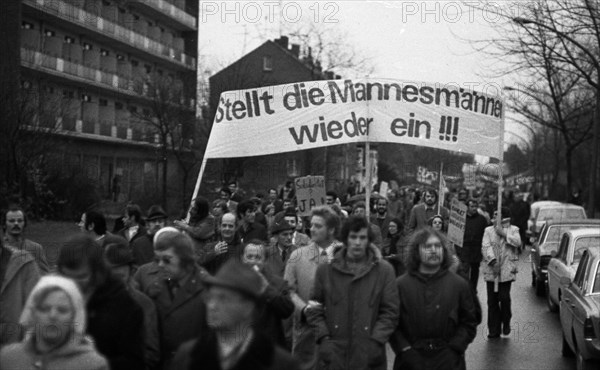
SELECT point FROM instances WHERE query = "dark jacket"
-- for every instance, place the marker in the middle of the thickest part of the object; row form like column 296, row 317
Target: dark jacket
column 359, row 311
column 142, row 249
column 20, row 274
column 152, row 345
column 419, row 215
column 274, row 261
column 211, row 261
column 147, row 279
column 203, row 353
column 140, row 232
column 181, row 318
column 254, row 231
column 275, row 306
column 471, row 250
column 439, row 307
column 116, row 323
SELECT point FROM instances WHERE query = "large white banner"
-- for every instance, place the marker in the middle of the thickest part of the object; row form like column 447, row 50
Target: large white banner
column 314, row 114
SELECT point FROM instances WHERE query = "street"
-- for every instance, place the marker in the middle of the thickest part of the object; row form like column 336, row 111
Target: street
column 535, row 341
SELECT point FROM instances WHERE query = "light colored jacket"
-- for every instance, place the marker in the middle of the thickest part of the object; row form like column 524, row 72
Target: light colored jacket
column 504, row 250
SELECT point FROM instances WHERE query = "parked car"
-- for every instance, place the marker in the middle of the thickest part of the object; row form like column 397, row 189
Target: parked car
column 580, row 312
column 546, row 246
column 535, row 208
column 572, row 245
column 558, row 212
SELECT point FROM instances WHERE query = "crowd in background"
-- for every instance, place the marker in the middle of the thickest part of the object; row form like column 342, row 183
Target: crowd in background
column 248, row 283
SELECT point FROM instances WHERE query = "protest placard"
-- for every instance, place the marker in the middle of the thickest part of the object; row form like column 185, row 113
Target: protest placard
column 456, row 226
column 310, row 193
column 314, row 114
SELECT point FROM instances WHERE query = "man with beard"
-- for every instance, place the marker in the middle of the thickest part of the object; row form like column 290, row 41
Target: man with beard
column 381, row 218
column 357, row 306
column 227, row 246
column 232, row 339
column 437, row 312
column 142, row 249
column 14, row 225
column 300, row 275
column 421, row 213
column 249, row 229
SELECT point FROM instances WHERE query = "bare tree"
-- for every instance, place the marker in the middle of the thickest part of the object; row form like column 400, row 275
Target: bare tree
column 174, row 122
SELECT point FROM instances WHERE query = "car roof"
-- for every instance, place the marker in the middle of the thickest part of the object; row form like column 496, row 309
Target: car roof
column 589, row 221
column 545, row 203
column 560, row 206
column 584, row 232
column 595, row 252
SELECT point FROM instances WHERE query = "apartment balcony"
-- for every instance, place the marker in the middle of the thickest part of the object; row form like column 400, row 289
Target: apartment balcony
column 166, row 12
column 80, row 74
column 106, row 31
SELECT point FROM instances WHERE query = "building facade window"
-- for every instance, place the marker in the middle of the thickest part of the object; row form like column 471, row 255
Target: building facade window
column 86, row 98
column 104, row 52
column 49, row 33
column 103, row 102
column 27, row 26
column 69, row 40
column 118, row 105
column 69, row 94
column 87, row 46
column 267, row 63
column 120, row 57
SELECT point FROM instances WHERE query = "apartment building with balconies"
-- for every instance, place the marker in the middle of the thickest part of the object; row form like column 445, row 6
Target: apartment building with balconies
column 104, row 60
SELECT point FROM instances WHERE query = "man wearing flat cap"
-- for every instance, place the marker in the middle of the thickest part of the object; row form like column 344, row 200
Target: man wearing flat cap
column 279, row 252
column 141, row 247
column 233, row 340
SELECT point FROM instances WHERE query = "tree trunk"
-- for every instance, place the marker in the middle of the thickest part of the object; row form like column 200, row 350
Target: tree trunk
column 591, row 206
column 164, row 179
column 569, row 158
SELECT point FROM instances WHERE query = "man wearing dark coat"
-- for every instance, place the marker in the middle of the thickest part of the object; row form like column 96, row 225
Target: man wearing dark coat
column 232, row 340
column 115, row 320
column 142, row 249
column 248, row 228
column 179, row 294
column 470, row 253
column 355, row 303
column 437, row 312
column 226, row 247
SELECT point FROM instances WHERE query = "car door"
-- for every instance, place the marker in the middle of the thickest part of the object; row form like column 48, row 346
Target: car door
column 557, row 266
column 535, row 251
column 572, row 306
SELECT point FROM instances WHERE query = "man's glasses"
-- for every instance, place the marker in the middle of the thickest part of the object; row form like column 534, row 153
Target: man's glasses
column 432, row 245
column 165, row 260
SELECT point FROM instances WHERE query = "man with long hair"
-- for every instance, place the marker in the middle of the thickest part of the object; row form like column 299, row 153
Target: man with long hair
column 437, row 311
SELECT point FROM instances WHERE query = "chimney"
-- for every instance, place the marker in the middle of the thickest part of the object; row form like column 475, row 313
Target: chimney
column 295, row 50
column 283, row 42
column 330, row 75
column 318, row 67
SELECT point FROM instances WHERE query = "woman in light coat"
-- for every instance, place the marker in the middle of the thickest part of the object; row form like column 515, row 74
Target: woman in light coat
column 54, row 322
column 500, row 249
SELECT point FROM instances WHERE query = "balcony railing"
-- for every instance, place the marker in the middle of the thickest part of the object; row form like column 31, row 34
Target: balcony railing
column 37, row 60
column 173, row 11
column 86, row 19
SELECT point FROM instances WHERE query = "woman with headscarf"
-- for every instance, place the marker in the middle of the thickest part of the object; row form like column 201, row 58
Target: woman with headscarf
column 201, row 226
column 54, row 321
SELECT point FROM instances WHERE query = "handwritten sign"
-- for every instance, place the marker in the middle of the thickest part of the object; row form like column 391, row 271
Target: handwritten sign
column 456, row 226
column 310, row 193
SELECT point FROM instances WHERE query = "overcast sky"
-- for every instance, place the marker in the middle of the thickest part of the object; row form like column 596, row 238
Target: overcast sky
column 412, row 40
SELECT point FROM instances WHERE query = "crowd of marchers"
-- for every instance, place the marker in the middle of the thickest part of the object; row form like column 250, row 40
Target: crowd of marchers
column 246, row 283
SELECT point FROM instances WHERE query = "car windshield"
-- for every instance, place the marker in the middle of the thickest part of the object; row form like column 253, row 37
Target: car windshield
column 555, row 232
column 557, row 214
column 582, row 243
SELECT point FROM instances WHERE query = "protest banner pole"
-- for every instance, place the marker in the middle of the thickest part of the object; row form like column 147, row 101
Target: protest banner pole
column 197, row 187
column 500, row 190
column 368, row 179
column 440, row 190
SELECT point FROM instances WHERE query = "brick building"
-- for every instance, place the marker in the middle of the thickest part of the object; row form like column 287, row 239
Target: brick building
column 272, row 63
column 102, row 60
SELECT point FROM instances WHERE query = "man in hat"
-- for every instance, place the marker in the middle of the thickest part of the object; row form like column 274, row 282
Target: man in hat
column 143, row 251
column 120, row 261
column 279, row 252
column 232, row 340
